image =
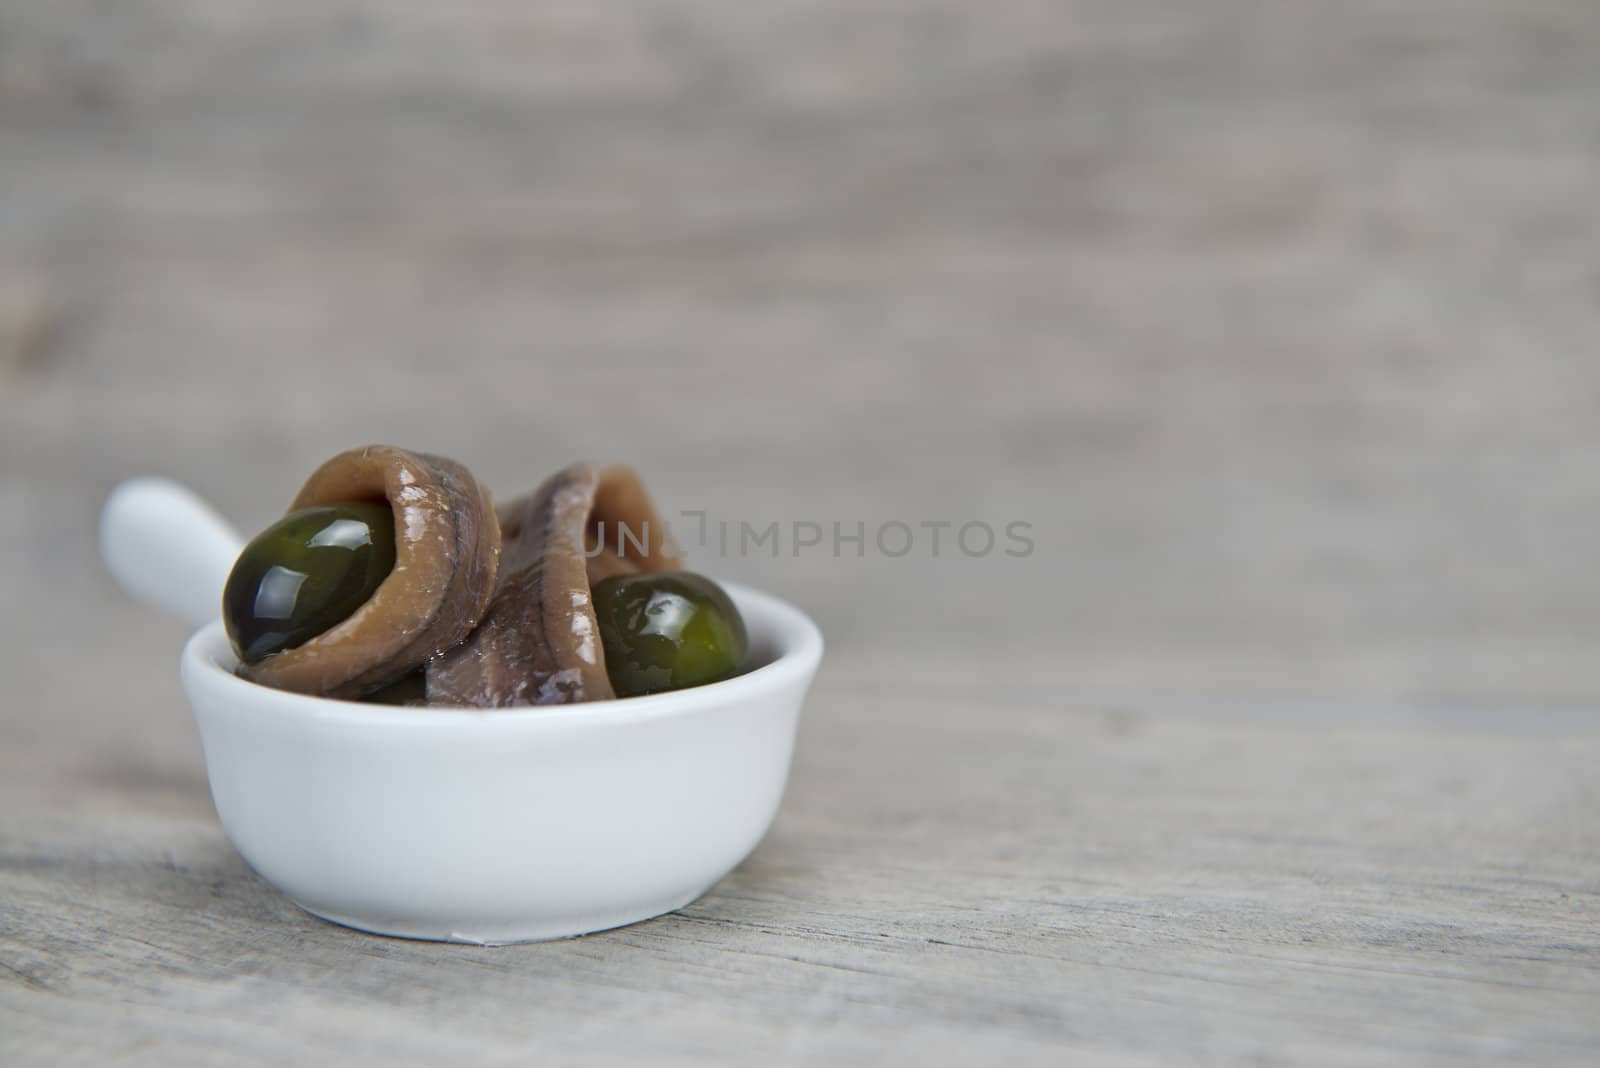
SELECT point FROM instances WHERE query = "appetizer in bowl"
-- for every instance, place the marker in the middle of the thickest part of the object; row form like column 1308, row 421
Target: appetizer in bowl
column 395, row 578
column 427, row 716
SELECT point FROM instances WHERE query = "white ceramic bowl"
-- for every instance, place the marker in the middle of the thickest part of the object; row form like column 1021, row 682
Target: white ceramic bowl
column 496, row 826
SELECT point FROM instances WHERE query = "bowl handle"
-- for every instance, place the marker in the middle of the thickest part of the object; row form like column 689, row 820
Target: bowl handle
column 167, row 548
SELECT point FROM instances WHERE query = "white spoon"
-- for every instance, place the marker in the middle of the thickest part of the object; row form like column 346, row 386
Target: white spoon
column 167, row 548
column 469, row 825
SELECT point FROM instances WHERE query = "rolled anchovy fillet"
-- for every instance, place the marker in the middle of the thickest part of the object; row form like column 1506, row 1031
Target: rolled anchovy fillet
column 539, row 644
column 447, row 554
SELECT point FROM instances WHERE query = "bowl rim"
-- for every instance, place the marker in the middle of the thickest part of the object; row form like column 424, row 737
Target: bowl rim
column 207, row 660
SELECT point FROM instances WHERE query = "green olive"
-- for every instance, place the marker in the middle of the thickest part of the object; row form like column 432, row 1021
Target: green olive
column 666, row 630
column 306, row 574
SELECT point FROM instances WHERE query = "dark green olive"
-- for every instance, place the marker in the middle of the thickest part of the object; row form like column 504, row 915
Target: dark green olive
column 306, row 574
column 666, row 630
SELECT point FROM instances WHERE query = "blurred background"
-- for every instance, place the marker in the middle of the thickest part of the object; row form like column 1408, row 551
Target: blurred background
column 1276, row 320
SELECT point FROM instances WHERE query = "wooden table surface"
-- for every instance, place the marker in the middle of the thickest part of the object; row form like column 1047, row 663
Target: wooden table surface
column 1276, row 323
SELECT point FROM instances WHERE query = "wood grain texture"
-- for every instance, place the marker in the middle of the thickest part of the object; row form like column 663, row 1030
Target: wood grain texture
column 1276, row 321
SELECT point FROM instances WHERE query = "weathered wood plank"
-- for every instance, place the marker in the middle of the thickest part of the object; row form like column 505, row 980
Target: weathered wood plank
column 1125, row 883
